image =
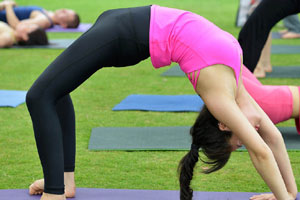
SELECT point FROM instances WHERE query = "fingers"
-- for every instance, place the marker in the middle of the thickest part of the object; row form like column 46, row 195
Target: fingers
column 263, row 197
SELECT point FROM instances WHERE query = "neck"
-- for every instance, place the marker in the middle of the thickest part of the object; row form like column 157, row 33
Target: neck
column 52, row 16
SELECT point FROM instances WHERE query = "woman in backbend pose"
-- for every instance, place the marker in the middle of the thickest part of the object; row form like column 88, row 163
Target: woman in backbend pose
column 124, row 37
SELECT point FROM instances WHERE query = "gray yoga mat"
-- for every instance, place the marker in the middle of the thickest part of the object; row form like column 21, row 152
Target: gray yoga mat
column 285, row 49
column 278, row 72
column 122, row 194
column 276, row 35
column 53, row 44
column 159, row 138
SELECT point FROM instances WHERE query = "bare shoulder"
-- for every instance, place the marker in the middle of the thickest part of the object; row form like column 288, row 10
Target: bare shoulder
column 216, row 77
column 35, row 14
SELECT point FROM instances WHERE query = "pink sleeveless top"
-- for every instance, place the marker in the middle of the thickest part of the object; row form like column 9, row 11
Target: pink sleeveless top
column 191, row 41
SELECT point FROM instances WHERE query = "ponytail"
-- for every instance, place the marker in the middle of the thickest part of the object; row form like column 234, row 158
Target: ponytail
column 186, row 171
column 214, row 144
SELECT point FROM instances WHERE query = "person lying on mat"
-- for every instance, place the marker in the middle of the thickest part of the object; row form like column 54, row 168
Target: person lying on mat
column 212, row 60
column 255, row 38
column 15, row 15
column 30, row 34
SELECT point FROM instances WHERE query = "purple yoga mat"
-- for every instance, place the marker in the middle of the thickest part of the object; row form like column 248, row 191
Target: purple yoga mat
column 81, row 28
column 116, row 194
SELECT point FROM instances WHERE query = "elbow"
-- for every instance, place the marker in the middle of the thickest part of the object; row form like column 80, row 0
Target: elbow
column 261, row 153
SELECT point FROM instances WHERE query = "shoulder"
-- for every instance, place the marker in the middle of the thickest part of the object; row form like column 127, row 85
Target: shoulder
column 6, row 39
column 36, row 13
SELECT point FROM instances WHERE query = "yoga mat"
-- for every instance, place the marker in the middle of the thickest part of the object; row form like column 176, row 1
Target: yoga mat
column 122, row 194
column 81, row 28
column 278, row 72
column 174, row 71
column 12, row 98
column 161, row 103
column 284, row 72
column 160, row 138
column 53, row 44
column 285, row 49
column 276, row 35
column 140, row 138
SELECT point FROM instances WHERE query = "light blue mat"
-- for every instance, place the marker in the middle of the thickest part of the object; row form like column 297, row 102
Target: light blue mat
column 12, row 98
column 161, row 103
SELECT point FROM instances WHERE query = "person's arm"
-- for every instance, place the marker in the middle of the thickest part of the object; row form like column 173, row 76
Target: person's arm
column 274, row 140
column 11, row 17
column 39, row 19
column 216, row 86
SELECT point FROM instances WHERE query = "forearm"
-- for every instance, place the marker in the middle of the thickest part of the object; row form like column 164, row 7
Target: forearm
column 11, row 17
column 274, row 140
column 268, row 170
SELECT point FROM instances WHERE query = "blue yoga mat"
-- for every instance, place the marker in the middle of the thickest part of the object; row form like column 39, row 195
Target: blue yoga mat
column 12, row 98
column 161, row 103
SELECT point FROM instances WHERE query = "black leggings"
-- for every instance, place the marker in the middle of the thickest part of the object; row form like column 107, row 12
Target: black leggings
column 254, row 33
column 118, row 38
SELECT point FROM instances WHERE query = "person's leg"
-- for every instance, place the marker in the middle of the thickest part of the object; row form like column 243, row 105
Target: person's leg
column 276, row 101
column 292, row 23
column 65, row 111
column 112, row 41
column 264, row 64
column 249, row 75
column 255, row 32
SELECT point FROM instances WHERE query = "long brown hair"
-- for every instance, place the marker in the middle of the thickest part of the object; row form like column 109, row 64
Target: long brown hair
column 214, row 144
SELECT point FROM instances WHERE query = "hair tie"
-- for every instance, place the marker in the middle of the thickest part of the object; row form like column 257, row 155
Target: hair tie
column 195, row 147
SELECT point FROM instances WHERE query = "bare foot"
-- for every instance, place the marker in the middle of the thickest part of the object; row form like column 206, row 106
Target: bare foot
column 47, row 196
column 259, row 72
column 268, row 67
column 290, row 35
column 37, row 187
column 283, row 31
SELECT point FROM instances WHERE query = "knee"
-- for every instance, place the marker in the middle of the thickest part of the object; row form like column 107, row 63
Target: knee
column 33, row 97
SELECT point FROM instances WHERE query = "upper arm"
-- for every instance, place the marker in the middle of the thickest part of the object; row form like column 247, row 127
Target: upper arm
column 217, row 88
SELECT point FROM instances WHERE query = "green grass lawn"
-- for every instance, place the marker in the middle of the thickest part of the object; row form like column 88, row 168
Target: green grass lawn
column 93, row 101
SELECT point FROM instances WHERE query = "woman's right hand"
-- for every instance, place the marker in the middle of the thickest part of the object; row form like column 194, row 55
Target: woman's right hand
column 5, row 3
column 270, row 196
